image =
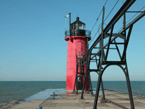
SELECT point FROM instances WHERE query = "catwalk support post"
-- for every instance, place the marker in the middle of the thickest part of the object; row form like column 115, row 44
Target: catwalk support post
column 101, row 62
column 129, row 87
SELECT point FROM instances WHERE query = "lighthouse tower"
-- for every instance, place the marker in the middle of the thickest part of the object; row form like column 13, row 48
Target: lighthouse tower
column 77, row 37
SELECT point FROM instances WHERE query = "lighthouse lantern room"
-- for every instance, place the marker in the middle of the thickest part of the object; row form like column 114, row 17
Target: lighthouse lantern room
column 77, row 37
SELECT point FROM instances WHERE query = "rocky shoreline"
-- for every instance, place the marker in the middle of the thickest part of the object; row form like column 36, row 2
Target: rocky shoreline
column 9, row 105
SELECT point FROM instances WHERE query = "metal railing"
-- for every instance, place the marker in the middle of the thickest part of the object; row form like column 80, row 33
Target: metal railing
column 87, row 33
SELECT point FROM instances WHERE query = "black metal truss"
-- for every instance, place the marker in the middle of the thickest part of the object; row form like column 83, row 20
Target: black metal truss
column 117, row 16
column 101, row 57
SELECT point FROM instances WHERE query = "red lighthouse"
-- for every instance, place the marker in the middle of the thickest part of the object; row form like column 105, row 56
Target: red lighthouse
column 77, row 38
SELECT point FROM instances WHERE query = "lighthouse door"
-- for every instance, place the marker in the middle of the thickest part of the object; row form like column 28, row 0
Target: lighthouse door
column 79, row 82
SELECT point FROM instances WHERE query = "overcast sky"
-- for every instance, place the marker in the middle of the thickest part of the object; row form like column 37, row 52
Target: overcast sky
column 32, row 45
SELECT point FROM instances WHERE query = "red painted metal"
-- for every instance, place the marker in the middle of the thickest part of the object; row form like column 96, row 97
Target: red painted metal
column 77, row 45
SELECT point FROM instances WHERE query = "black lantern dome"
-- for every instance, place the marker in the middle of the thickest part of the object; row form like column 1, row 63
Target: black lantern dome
column 78, row 28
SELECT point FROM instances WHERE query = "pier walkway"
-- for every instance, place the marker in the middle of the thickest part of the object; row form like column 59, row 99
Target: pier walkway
column 114, row 100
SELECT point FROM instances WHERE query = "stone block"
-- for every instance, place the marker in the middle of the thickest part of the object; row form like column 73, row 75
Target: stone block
column 81, row 101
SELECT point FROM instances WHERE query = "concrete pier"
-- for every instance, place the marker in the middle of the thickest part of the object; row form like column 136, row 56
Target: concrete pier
column 114, row 100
